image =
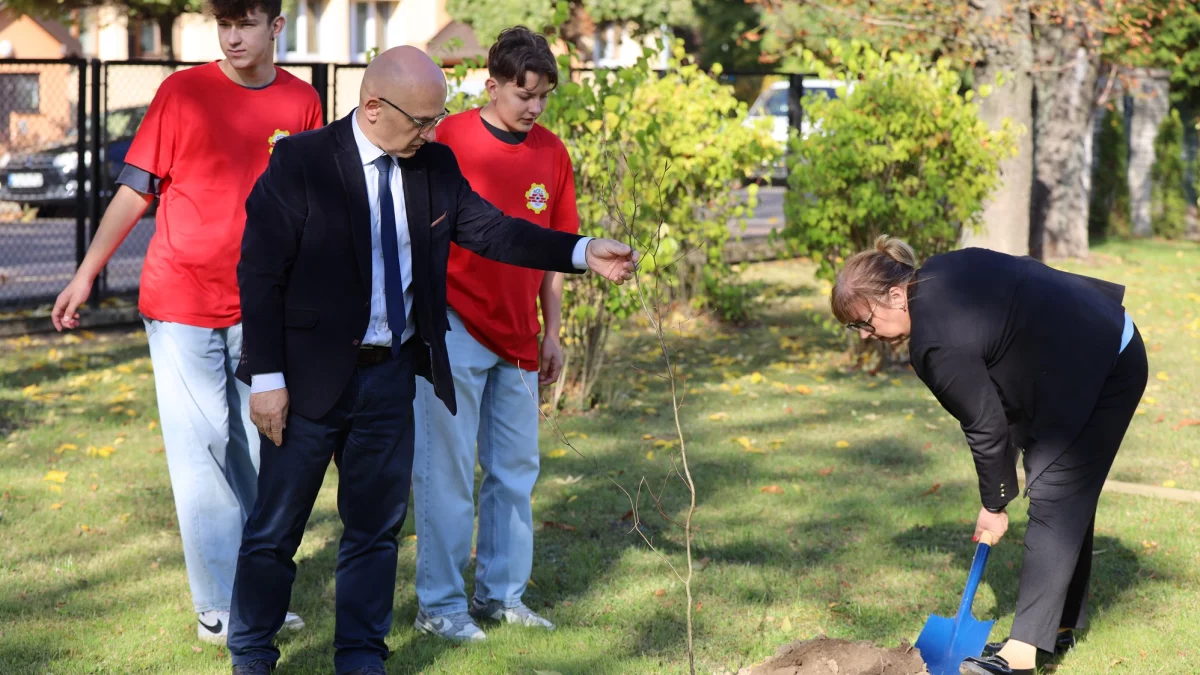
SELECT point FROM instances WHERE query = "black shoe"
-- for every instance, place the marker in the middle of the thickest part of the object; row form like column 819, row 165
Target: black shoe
column 990, row 665
column 254, row 668
column 368, row 670
column 1063, row 643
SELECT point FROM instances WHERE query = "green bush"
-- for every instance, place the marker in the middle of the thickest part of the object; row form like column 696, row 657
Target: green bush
column 904, row 153
column 657, row 157
column 1108, row 213
column 1196, row 171
column 1168, row 201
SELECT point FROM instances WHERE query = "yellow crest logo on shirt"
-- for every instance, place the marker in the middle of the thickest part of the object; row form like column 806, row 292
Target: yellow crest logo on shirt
column 537, row 198
column 279, row 133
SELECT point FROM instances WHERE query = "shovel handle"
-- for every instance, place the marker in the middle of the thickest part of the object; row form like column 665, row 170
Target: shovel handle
column 981, row 556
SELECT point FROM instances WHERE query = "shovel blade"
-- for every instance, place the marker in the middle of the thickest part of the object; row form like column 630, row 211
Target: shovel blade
column 944, row 643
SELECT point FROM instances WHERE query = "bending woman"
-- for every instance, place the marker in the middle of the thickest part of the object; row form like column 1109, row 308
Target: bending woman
column 1025, row 357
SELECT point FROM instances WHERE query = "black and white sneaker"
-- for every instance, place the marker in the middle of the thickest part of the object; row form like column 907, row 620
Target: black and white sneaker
column 213, row 627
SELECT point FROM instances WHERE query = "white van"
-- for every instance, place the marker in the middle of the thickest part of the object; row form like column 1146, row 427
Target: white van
column 772, row 104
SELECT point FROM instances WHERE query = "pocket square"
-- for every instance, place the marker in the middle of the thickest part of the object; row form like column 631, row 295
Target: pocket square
column 440, row 219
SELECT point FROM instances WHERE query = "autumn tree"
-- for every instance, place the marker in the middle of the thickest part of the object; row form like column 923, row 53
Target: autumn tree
column 162, row 12
column 1048, row 52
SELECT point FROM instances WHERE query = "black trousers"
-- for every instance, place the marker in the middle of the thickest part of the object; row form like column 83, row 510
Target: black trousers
column 1062, row 510
column 370, row 433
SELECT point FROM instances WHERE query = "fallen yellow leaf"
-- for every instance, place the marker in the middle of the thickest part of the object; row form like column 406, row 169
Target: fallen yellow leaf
column 152, row 426
column 716, row 417
column 556, row 453
column 650, row 411
column 843, row 444
column 56, row 476
column 660, row 443
column 646, row 437
column 742, row 441
column 650, row 455
column 771, row 489
column 756, row 377
column 801, row 389
column 65, row 447
column 55, row 506
column 1168, row 483
column 896, row 383
column 1163, row 376
column 786, row 624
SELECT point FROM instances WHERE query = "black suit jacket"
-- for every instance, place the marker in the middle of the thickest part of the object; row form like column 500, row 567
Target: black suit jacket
column 1017, row 351
column 305, row 270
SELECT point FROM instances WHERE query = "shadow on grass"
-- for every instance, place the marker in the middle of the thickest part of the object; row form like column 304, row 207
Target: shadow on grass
column 93, row 358
column 1117, row 570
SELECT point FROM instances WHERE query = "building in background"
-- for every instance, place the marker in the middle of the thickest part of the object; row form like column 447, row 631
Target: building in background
column 329, row 31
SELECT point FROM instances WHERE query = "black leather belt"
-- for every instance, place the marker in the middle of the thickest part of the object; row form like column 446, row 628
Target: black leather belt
column 369, row 355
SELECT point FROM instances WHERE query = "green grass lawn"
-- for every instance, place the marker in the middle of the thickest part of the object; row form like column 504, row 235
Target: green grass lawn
column 828, row 501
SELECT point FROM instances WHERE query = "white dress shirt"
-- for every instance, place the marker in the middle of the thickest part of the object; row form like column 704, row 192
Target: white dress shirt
column 378, row 332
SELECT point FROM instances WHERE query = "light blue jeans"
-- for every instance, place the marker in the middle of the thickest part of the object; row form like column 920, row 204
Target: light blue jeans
column 497, row 414
column 211, row 447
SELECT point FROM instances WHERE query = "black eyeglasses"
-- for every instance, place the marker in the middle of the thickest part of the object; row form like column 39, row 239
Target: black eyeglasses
column 421, row 125
column 856, row 326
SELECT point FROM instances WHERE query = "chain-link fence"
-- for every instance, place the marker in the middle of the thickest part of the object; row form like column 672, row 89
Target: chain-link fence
column 43, row 189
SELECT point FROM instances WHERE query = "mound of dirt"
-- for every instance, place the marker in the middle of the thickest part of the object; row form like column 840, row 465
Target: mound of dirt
column 825, row 656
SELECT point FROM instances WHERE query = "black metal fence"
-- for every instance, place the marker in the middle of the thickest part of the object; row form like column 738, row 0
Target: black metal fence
column 65, row 126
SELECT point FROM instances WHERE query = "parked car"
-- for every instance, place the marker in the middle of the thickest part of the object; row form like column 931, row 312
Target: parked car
column 46, row 178
column 772, row 104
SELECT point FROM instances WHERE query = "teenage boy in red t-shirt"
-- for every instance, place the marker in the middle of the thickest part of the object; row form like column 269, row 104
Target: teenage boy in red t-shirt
column 493, row 346
column 204, row 141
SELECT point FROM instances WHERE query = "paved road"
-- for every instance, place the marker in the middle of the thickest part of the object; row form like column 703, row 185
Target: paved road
column 768, row 215
column 37, row 258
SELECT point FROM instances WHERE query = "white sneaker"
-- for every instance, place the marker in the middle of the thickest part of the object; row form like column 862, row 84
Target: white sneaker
column 456, row 627
column 519, row 615
column 213, row 627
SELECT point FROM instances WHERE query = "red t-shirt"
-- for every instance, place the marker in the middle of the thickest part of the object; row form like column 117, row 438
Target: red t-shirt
column 531, row 180
column 208, row 139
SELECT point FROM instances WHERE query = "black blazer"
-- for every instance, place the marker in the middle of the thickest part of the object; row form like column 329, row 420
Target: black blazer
column 305, row 270
column 1017, row 351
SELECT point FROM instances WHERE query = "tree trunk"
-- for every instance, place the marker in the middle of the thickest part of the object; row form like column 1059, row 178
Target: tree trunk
column 1149, row 103
column 1066, row 67
column 1006, row 214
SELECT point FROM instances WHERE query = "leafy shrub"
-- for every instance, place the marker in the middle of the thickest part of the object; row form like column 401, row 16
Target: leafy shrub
column 1168, row 201
column 902, row 152
column 657, row 157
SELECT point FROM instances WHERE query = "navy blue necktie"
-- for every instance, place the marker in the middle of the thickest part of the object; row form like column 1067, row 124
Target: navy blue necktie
column 393, row 284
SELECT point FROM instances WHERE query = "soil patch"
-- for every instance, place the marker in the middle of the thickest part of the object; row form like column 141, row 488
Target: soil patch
column 825, row 656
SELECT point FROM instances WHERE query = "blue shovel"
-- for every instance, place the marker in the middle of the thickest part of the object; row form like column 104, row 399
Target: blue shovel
column 944, row 643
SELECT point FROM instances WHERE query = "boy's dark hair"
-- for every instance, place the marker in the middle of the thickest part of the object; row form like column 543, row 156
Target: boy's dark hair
column 232, row 10
column 517, row 51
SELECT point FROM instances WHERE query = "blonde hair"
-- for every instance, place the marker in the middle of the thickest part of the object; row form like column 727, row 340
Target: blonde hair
column 868, row 276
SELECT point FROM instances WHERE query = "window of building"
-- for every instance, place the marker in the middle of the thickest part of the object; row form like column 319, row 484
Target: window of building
column 145, row 42
column 371, row 26
column 301, row 37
